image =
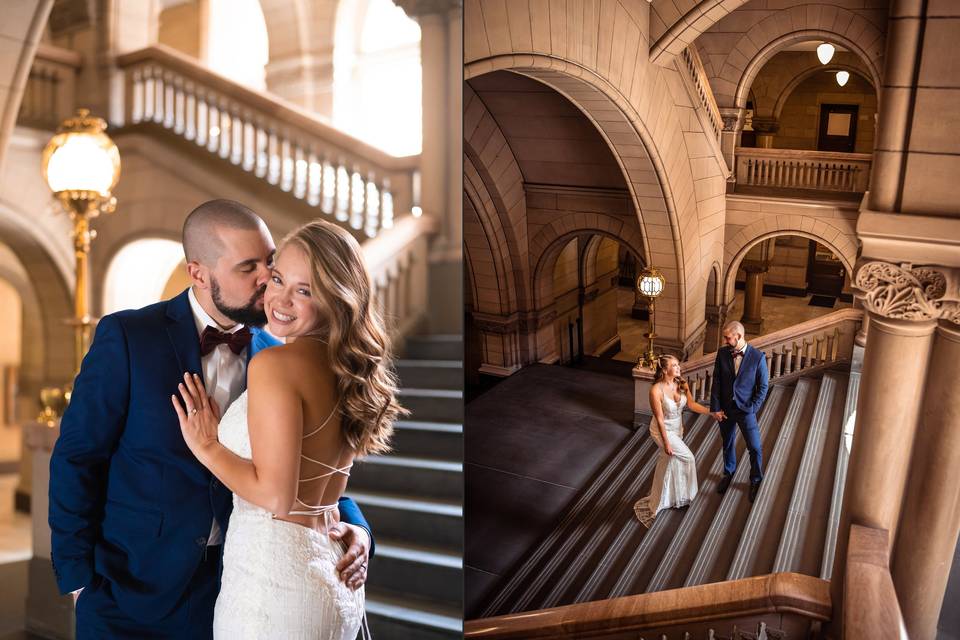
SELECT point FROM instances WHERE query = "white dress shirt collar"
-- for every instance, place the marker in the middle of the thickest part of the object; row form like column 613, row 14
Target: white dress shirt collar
column 203, row 319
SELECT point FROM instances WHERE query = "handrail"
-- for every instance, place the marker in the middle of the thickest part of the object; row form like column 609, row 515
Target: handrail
column 870, row 607
column 779, row 593
column 815, row 344
column 276, row 141
column 699, row 75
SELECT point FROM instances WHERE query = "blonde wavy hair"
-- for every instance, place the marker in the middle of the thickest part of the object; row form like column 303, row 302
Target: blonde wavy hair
column 354, row 332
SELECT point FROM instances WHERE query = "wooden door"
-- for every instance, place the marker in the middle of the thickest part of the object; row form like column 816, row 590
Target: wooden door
column 838, row 127
column 824, row 271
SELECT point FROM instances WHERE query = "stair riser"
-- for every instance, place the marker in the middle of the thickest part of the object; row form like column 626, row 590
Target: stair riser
column 431, row 529
column 420, row 443
column 432, row 409
column 427, row 377
column 417, row 349
column 392, row 629
column 409, row 481
column 410, row 578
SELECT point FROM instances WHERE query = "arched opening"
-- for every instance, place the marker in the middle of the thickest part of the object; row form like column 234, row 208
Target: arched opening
column 377, row 75
column 11, row 340
column 786, row 279
column 143, row 272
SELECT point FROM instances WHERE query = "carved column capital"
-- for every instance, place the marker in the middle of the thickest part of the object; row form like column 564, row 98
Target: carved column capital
column 732, row 118
column 419, row 8
column 905, row 292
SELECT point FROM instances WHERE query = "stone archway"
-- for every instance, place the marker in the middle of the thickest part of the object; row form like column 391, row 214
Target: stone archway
column 797, row 80
column 841, row 242
column 742, row 70
column 675, row 24
column 644, row 172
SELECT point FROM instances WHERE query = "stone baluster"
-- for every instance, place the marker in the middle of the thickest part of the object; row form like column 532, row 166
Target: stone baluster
column 775, row 368
column 286, row 164
column 273, row 157
column 787, row 359
column 169, row 101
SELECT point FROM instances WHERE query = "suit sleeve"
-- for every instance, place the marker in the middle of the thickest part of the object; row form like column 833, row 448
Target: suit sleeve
column 350, row 513
column 89, row 432
column 763, row 382
column 715, row 387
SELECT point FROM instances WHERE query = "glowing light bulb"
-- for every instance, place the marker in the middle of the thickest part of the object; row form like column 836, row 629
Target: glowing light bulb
column 842, row 77
column 825, row 52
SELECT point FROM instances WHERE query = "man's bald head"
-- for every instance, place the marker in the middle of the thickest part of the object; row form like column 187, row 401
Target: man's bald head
column 202, row 241
column 734, row 327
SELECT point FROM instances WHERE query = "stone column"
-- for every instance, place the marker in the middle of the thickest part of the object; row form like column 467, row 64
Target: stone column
column 441, row 160
column 716, row 317
column 753, row 298
column 900, row 303
column 930, row 520
column 730, row 139
column 766, row 128
column 48, row 614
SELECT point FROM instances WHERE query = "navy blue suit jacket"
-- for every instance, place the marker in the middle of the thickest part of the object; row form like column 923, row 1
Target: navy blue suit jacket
column 128, row 501
column 745, row 390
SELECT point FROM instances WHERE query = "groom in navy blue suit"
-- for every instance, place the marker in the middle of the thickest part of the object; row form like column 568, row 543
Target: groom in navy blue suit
column 136, row 521
column 740, row 383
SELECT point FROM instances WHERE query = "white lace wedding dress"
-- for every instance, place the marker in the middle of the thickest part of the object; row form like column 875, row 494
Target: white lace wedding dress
column 279, row 578
column 675, row 478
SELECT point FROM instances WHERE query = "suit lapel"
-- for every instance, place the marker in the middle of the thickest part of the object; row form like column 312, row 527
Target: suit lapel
column 182, row 330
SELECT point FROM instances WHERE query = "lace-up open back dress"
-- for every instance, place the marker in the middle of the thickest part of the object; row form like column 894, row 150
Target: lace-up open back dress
column 279, row 578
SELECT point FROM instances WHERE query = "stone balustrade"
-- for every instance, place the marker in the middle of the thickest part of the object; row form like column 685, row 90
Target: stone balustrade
column 819, row 343
column 359, row 186
column 691, row 59
column 48, row 97
column 800, row 169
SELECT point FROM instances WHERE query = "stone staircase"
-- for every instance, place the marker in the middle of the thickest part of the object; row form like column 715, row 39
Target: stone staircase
column 413, row 499
column 599, row 550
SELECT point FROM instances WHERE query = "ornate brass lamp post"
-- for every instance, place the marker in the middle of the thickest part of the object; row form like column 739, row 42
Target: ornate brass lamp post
column 650, row 284
column 81, row 164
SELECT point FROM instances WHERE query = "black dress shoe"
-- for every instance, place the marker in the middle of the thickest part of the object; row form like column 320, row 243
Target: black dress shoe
column 724, row 483
column 754, row 488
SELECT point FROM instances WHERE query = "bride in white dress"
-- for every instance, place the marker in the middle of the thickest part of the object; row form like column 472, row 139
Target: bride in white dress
column 675, row 478
column 287, row 444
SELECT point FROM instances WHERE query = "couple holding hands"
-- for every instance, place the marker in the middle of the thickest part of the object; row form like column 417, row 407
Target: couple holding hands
column 740, row 382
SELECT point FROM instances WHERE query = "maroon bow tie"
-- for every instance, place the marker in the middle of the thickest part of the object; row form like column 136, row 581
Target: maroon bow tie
column 738, row 354
column 237, row 341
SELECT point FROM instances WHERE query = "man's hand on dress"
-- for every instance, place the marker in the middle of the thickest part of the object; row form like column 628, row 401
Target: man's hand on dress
column 353, row 565
column 76, row 595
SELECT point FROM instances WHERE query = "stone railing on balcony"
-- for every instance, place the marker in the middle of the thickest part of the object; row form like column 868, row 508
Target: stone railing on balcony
column 361, row 187
column 802, row 170
column 820, row 343
column 48, row 97
column 720, row 609
column 870, row 605
column 691, row 59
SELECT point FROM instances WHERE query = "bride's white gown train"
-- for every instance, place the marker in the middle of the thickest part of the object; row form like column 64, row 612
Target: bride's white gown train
column 279, row 578
column 675, row 478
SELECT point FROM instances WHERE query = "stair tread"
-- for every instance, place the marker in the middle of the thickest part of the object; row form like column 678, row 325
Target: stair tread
column 413, row 611
column 429, row 362
column 424, row 505
column 424, row 425
column 420, row 463
column 418, row 553
column 455, row 394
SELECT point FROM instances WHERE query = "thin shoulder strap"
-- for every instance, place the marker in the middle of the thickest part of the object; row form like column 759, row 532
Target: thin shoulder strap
column 336, row 408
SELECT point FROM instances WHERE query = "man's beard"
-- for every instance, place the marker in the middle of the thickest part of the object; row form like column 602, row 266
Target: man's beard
column 248, row 314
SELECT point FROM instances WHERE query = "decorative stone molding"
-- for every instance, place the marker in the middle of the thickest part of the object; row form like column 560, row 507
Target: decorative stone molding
column 733, row 118
column 536, row 320
column 496, row 324
column 419, row 8
column 905, row 292
column 765, row 125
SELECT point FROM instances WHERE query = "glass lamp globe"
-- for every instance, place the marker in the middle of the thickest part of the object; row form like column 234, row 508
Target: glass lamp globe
column 825, row 52
column 650, row 282
column 81, row 159
column 843, row 77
